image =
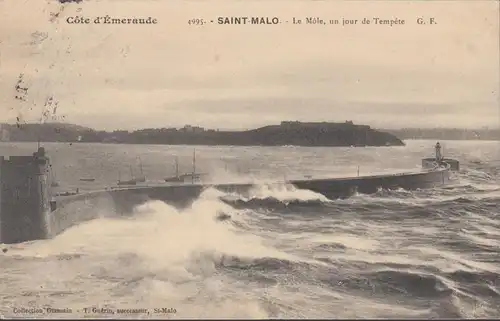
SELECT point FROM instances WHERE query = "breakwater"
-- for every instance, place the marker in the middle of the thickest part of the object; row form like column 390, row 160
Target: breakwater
column 29, row 211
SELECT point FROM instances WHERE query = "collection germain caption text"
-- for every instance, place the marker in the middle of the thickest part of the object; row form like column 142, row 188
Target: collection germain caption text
column 257, row 20
column 92, row 310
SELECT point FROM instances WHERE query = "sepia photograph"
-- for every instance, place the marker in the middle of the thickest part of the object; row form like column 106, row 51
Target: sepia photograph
column 306, row 159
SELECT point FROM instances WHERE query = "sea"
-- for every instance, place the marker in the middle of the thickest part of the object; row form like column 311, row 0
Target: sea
column 280, row 252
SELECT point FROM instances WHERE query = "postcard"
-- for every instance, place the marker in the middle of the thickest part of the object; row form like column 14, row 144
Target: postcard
column 249, row 159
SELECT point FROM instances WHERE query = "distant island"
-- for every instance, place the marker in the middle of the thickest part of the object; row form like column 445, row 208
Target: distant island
column 287, row 133
column 446, row 133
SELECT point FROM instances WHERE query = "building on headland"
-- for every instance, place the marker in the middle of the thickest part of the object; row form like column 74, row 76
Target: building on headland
column 347, row 123
column 24, row 197
column 192, row 129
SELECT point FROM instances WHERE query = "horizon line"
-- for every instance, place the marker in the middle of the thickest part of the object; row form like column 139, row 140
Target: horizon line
column 256, row 127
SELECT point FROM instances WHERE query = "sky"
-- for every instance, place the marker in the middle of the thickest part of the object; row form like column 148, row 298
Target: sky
column 244, row 76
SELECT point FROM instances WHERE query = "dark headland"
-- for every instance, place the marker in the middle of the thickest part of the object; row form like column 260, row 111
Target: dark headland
column 287, row 133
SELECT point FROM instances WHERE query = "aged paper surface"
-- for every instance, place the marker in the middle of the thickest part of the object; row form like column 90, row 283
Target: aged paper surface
column 249, row 159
